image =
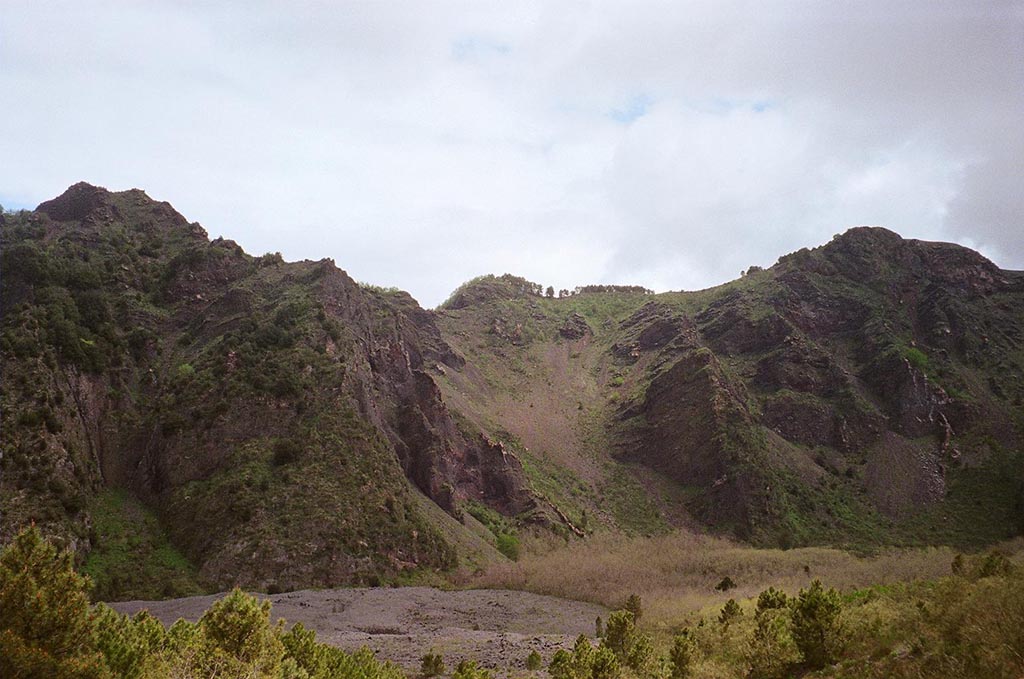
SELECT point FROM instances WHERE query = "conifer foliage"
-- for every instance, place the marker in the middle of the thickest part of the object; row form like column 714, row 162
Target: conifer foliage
column 48, row 630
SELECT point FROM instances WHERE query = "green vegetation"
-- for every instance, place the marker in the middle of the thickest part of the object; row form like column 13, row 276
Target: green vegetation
column 432, row 665
column 916, row 358
column 133, row 558
column 48, row 630
column 506, row 538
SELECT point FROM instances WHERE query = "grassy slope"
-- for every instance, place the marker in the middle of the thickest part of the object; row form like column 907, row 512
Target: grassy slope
column 548, row 398
column 554, row 401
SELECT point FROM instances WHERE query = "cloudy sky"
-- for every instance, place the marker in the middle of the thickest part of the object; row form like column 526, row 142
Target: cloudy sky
column 422, row 143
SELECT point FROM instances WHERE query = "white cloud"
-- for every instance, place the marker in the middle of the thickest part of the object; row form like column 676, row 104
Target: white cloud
column 667, row 144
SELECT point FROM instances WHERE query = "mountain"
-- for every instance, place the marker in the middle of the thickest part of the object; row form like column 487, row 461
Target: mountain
column 186, row 416
column 277, row 421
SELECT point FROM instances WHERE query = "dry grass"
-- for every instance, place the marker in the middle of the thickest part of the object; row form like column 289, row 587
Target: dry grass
column 676, row 574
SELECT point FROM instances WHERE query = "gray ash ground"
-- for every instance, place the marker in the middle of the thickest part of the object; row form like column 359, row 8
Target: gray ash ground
column 496, row 628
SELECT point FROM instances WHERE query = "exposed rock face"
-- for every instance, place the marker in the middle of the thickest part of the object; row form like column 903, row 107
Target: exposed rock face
column 830, row 361
column 575, row 327
column 228, row 370
column 264, row 409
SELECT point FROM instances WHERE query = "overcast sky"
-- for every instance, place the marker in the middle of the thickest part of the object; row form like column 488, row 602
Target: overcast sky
column 420, row 144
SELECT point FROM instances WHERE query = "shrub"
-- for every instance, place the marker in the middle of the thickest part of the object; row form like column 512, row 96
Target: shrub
column 132, row 646
column 604, row 664
column 285, row 452
column 45, row 624
column 816, row 626
column 730, row 612
column 916, row 358
column 432, row 665
column 725, row 585
column 467, row 669
column 508, row 545
column 772, row 651
column 994, row 563
column 634, row 606
column 533, row 661
column 598, row 627
column 770, row 599
column 619, row 633
column 238, row 637
column 682, row 655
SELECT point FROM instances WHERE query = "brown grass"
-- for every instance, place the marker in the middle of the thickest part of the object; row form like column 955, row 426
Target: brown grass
column 676, row 574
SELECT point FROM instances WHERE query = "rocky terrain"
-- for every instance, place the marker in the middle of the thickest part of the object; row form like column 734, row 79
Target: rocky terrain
column 497, row 628
column 186, row 416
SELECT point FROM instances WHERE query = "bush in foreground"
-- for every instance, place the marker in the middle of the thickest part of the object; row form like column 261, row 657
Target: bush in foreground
column 48, row 630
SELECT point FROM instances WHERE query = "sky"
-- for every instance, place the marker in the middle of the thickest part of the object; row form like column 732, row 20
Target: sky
column 419, row 144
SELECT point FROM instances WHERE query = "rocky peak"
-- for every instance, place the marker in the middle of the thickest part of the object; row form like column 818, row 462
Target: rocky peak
column 88, row 204
column 77, row 203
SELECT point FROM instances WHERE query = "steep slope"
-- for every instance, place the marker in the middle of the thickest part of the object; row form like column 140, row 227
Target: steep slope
column 186, row 416
column 866, row 392
column 268, row 414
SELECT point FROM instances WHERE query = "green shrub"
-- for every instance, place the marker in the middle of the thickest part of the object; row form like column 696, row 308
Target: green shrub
column 620, row 633
column 770, row 599
column 725, row 584
column 432, row 665
column 46, row 629
column 772, row 650
column 508, row 545
column 586, row 662
column 239, row 639
column 730, row 612
column 534, row 661
column 634, row 606
column 467, row 669
column 285, row 451
column 994, row 563
column 816, row 631
column 916, row 358
column 682, row 655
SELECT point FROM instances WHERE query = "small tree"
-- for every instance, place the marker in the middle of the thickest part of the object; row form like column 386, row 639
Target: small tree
column 619, row 633
column 772, row 651
column 771, row 598
column 634, row 606
column 238, row 638
column 534, row 661
column 816, row 625
column 725, row 584
column 46, row 629
column 598, row 627
column 467, row 669
column 432, row 665
column 604, row 664
column 550, row 292
column 682, row 654
column 730, row 612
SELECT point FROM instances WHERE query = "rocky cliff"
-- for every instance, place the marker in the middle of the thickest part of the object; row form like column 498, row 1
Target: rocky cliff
column 185, row 415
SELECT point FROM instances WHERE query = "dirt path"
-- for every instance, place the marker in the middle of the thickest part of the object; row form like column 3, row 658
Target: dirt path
column 497, row 628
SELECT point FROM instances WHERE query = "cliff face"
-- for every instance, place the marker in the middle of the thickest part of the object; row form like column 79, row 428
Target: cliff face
column 242, row 419
column 267, row 411
column 882, row 361
column 866, row 392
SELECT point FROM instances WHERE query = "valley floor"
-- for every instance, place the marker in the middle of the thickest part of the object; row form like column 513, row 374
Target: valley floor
column 496, row 628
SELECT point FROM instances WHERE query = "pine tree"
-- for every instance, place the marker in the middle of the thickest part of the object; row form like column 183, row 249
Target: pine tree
column 46, row 625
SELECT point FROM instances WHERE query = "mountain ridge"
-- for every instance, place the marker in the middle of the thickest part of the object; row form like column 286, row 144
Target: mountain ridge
column 257, row 409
